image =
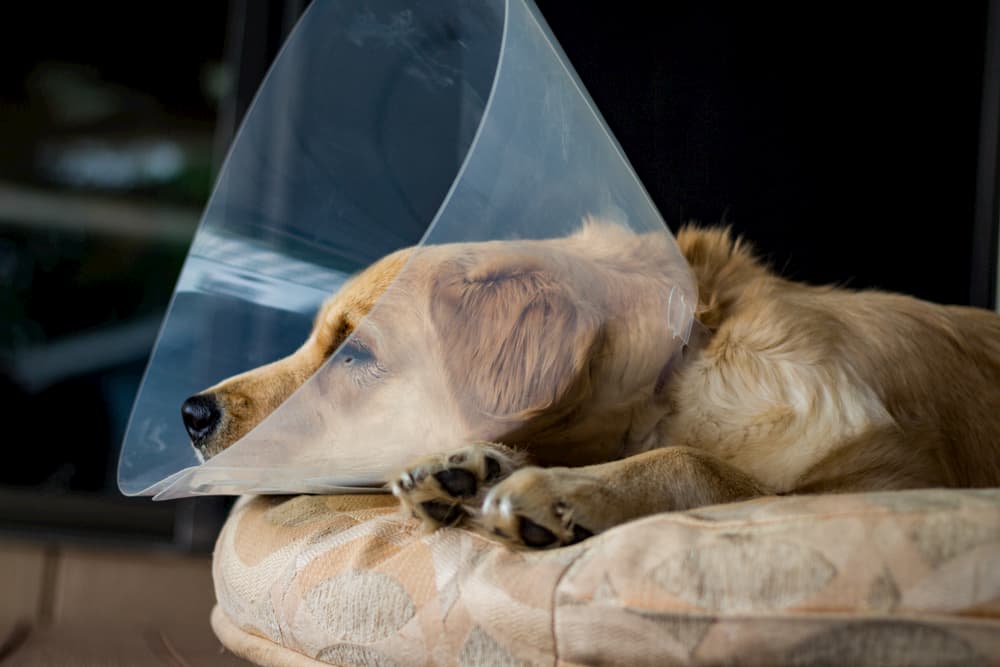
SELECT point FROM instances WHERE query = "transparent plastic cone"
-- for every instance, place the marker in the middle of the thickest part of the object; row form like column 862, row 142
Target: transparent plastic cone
column 456, row 127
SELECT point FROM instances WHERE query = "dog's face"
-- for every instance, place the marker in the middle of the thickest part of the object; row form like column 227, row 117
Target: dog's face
column 512, row 341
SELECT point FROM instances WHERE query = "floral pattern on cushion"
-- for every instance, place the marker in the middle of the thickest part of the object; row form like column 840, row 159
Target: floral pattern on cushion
column 909, row 577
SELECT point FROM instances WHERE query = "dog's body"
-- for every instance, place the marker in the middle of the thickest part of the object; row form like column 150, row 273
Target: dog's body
column 786, row 388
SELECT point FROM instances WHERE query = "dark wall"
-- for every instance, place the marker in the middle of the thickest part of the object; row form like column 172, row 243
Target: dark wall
column 142, row 46
column 840, row 138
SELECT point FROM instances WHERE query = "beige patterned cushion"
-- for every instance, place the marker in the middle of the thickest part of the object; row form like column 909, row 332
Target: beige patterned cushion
column 881, row 578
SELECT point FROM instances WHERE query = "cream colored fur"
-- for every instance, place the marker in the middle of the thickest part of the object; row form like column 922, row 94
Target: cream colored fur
column 790, row 388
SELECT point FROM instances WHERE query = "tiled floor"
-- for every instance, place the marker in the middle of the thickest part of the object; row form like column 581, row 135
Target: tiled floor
column 68, row 605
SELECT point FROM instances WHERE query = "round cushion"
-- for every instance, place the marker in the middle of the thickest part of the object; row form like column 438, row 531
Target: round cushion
column 906, row 577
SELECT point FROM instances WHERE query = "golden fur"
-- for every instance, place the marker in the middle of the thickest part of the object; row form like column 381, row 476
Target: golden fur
column 790, row 388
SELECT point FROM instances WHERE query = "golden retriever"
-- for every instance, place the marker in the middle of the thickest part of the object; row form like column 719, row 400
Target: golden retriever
column 785, row 388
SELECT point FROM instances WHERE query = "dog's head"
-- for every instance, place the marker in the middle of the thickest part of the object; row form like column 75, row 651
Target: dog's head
column 537, row 343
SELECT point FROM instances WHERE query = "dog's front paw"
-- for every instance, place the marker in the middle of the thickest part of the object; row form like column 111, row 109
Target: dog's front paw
column 442, row 489
column 544, row 507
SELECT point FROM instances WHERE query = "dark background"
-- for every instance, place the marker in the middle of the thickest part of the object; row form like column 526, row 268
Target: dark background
column 843, row 139
column 90, row 246
column 840, row 137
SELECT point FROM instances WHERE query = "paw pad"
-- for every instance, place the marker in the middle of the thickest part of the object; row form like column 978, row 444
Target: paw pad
column 580, row 534
column 534, row 535
column 457, row 482
column 443, row 512
column 493, row 469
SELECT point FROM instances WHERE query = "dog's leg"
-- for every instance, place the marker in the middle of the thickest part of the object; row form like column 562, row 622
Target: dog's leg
column 447, row 487
column 886, row 458
column 551, row 507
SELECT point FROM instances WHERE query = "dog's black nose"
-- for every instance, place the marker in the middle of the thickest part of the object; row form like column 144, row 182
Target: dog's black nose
column 201, row 416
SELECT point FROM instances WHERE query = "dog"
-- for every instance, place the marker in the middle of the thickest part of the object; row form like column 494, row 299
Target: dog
column 785, row 388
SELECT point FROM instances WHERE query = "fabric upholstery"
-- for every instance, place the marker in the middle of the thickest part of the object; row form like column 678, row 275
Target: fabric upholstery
column 881, row 578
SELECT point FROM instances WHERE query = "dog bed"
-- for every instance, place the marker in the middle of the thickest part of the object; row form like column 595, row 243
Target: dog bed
column 908, row 577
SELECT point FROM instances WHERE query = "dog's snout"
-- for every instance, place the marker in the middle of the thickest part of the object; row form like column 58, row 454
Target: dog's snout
column 201, row 416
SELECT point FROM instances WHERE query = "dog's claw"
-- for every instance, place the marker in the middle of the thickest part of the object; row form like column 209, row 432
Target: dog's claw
column 406, row 481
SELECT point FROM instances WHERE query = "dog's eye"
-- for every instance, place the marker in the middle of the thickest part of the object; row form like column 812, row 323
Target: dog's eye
column 355, row 352
column 360, row 362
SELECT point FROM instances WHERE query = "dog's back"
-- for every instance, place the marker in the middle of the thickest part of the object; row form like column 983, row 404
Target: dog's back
column 819, row 388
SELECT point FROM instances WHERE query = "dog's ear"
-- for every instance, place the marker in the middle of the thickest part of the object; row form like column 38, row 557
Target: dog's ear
column 516, row 343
